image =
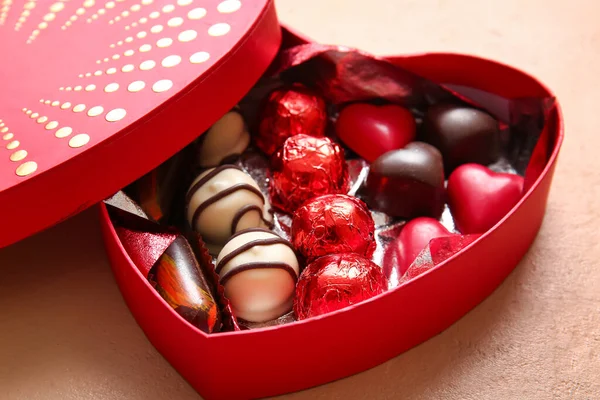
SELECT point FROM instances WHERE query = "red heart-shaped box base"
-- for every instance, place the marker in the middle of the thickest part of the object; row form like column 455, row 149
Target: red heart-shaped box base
column 270, row 361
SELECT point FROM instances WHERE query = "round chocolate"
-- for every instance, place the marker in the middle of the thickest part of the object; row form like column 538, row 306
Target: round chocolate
column 225, row 200
column 259, row 271
column 227, row 137
column 462, row 134
column 407, row 183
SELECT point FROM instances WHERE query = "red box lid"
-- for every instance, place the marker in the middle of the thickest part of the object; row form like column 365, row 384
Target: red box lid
column 93, row 94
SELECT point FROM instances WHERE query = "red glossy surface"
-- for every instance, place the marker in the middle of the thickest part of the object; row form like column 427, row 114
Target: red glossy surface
column 459, row 284
column 479, row 197
column 126, row 149
column 371, row 130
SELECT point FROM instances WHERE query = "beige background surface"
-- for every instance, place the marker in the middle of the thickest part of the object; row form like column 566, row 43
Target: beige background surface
column 65, row 332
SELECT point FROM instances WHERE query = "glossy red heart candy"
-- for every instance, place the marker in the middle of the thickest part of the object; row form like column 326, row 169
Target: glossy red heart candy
column 479, row 197
column 413, row 238
column 371, row 131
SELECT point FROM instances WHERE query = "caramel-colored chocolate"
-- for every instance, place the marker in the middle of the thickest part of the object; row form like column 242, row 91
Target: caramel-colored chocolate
column 227, row 137
column 258, row 270
column 223, row 201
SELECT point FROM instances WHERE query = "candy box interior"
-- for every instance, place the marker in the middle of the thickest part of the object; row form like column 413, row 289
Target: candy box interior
column 278, row 213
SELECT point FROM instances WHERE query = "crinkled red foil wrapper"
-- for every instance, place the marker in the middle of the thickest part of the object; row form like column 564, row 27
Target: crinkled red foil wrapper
column 336, row 281
column 287, row 112
column 333, row 224
column 306, row 167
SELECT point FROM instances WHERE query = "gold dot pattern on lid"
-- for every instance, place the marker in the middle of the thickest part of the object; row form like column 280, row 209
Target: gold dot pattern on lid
column 156, row 29
column 51, row 125
column 111, row 87
column 219, row 29
column 47, row 102
column 142, row 34
column 164, row 42
column 88, row 3
column 65, row 105
column 229, row 6
column 128, row 39
column 197, row 13
column 18, row 155
column 183, row 3
column 116, row 57
column 128, row 68
column 147, row 65
column 115, row 115
column 101, row 11
column 55, row 103
column 13, row 145
column 117, row 18
column 34, row 115
column 111, row 70
column 168, row 8
column 110, row 4
column 69, row 88
column 90, row 87
column 147, row 2
column 171, row 61
column 129, row 53
column 78, row 88
column 63, row 132
column 41, row 25
column 162, row 86
column 73, row 18
column 145, row 48
column 88, row 74
column 136, row 86
column 79, row 140
column 135, row 7
column 187, row 36
column 125, row 14
column 4, row 130
column 61, row 88
column 49, row 17
column 79, row 108
column 80, row 75
column 106, row 59
column 26, row 112
column 27, row 168
column 57, row 7
column 41, row 120
column 80, row 11
column 95, row 111
column 176, row 21
column 98, row 73
column 143, row 20
column 154, row 15
column 8, row 136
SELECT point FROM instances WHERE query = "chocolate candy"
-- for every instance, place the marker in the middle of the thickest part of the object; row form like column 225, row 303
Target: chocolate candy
column 407, row 183
column 224, row 200
column 336, row 281
column 371, row 130
column 479, row 197
column 334, row 223
column 227, row 138
column 121, row 201
column 306, row 167
column 178, row 279
column 259, row 271
column 289, row 111
column 462, row 134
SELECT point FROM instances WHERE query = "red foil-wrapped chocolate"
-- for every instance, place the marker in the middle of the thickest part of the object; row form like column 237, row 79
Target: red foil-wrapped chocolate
column 333, row 224
column 336, row 281
column 306, row 167
column 287, row 112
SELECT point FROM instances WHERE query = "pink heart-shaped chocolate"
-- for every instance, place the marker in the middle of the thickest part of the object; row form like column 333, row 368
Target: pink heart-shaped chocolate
column 413, row 238
column 479, row 197
column 371, row 130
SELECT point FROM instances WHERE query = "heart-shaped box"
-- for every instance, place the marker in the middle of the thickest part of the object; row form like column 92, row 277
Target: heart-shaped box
column 104, row 149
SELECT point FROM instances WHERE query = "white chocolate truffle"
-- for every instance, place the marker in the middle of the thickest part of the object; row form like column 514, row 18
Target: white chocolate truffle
column 259, row 271
column 225, row 200
column 227, row 137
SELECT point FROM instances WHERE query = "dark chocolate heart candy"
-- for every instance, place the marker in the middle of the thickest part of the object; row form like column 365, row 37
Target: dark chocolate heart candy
column 408, row 182
column 462, row 134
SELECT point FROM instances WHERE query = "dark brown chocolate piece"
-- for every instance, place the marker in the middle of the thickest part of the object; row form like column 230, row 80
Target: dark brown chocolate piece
column 462, row 134
column 121, row 201
column 179, row 280
column 407, row 183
